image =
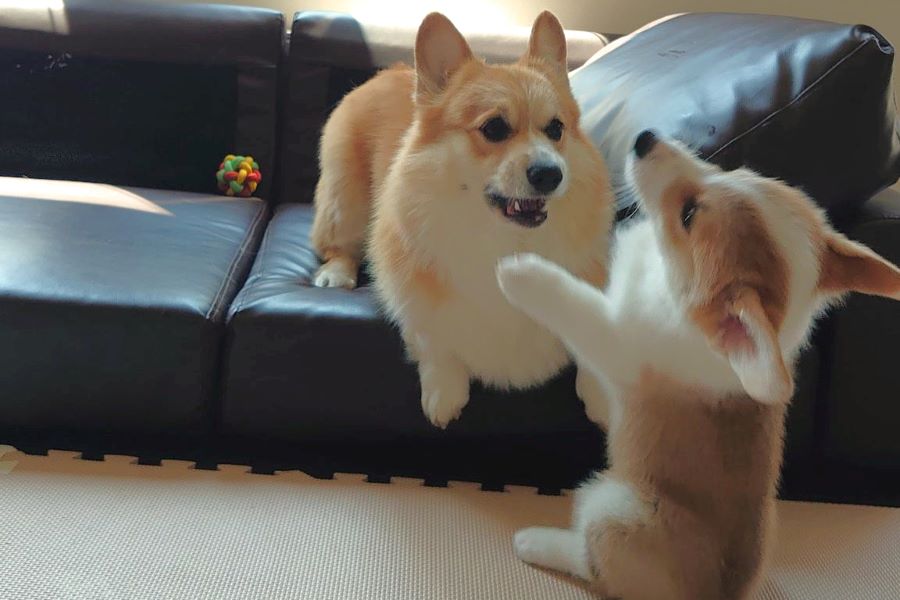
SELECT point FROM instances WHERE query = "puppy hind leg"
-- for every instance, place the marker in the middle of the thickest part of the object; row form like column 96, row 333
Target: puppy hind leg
column 617, row 525
column 562, row 550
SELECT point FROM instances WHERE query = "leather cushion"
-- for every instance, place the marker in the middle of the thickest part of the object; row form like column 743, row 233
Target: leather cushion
column 863, row 414
column 806, row 101
column 305, row 363
column 112, row 303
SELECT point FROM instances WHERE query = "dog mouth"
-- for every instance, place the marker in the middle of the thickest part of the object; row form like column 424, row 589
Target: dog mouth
column 527, row 212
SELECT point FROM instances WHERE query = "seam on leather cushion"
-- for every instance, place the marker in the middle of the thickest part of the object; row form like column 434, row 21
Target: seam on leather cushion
column 241, row 298
column 796, row 99
column 228, row 282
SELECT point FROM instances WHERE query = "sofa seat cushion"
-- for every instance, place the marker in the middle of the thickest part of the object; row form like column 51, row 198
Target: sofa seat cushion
column 306, row 363
column 112, row 302
column 322, row 368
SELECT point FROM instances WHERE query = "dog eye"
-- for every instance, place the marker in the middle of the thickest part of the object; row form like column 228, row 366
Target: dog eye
column 687, row 213
column 554, row 130
column 495, row 129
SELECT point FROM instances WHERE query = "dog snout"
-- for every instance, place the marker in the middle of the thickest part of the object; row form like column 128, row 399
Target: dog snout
column 645, row 142
column 544, row 178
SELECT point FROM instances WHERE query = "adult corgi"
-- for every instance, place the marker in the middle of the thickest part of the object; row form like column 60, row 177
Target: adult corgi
column 457, row 163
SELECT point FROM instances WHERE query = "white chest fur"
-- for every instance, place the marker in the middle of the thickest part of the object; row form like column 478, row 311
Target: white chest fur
column 497, row 343
column 455, row 234
column 642, row 304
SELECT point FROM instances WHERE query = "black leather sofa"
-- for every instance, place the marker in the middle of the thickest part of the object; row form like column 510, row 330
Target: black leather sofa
column 142, row 314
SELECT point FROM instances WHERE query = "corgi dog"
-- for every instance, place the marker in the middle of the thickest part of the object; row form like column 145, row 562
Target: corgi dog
column 711, row 297
column 458, row 163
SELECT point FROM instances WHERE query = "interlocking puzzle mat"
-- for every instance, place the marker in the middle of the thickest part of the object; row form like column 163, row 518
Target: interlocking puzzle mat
column 78, row 529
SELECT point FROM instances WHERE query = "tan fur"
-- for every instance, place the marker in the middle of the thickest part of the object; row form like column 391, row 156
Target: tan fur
column 847, row 265
column 708, row 498
column 728, row 249
column 358, row 144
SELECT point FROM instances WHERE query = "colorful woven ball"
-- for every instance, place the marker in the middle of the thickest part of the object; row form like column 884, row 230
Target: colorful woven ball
column 238, row 176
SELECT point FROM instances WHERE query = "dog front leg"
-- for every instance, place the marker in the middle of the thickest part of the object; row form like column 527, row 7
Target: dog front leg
column 593, row 396
column 445, row 386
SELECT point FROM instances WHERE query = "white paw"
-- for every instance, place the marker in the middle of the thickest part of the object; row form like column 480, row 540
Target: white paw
column 551, row 548
column 443, row 406
column 445, row 392
column 532, row 545
column 524, row 278
column 334, row 274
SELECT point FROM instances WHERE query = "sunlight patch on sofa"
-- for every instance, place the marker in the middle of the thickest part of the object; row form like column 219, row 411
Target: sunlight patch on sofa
column 83, row 193
column 53, row 20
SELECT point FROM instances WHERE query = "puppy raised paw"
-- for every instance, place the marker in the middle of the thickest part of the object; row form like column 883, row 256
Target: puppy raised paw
column 529, row 281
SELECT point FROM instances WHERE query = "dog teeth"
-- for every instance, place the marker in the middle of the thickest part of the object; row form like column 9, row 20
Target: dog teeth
column 517, row 206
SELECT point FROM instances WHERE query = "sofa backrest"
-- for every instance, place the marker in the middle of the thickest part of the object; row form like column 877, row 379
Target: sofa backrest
column 808, row 102
column 126, row 93
column 331, row 53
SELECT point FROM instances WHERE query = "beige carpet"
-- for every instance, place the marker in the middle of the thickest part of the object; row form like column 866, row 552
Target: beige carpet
column 79, row 530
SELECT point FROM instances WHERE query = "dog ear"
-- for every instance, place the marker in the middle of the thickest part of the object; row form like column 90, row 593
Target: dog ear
column 440, row 51
column 750, row 343
column 851, row 267
column 547, row 45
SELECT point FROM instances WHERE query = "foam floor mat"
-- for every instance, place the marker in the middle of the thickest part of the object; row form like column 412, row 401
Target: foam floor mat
column 77, row 529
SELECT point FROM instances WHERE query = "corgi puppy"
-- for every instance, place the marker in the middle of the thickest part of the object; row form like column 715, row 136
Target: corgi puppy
column 710, row 299
column 458, row 163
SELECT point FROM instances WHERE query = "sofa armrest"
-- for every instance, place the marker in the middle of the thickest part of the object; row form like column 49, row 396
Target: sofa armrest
column 862, row 381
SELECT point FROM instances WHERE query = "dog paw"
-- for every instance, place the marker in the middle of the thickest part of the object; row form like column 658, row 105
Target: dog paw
column 445, row 392
column 333, row 274
column 441, row 406
column 531, row 545
column 526, row 278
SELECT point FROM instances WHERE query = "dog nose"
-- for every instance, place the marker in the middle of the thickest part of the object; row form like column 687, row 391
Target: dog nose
column 544, row 178
column 645, row 142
